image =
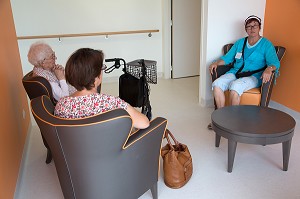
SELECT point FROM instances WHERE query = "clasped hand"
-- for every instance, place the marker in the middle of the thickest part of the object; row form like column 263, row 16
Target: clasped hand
column 59, row 71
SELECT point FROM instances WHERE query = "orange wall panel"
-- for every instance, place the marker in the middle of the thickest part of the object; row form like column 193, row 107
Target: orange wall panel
column 281, row 26
column 13, row 101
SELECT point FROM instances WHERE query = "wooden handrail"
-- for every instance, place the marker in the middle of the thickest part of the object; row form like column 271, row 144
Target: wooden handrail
column 88, row 34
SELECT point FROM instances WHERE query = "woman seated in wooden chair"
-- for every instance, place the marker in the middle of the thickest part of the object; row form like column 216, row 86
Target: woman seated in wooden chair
column 254, row 59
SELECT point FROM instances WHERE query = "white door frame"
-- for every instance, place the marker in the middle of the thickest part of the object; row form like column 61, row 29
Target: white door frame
column 167, row 38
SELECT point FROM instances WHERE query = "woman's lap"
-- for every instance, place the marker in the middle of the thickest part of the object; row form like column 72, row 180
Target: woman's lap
column 230, row 82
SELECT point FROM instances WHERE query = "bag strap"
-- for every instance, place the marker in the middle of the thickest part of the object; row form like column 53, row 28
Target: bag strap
column 258, row 70
column 168, row 138
column 241, row 68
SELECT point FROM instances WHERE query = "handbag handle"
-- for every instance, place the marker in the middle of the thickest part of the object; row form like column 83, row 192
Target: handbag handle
column 168, row 132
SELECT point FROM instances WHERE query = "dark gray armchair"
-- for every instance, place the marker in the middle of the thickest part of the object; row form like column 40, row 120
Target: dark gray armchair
column 97, row 157
column 36, row 86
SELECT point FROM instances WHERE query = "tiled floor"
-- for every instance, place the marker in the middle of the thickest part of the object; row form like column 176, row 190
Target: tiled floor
column 257, row 170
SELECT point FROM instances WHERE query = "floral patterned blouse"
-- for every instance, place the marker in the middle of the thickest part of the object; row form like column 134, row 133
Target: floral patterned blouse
column 88, row 105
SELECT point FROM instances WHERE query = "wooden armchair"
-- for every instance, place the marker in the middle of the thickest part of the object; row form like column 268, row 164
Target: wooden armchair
column 257, row 96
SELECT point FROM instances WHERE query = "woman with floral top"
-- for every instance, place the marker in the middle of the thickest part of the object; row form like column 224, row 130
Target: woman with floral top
column 84, row 72
column 43, row 58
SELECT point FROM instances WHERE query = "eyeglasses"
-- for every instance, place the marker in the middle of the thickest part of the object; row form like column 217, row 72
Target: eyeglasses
column 251, row 27
column 52, row 56
column 103, row 67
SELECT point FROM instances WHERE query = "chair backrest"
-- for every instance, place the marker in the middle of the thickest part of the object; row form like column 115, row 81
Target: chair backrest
column 36, row 86
column 266, row 88
column 226, row 48
column 280, row 51
column 91, row 156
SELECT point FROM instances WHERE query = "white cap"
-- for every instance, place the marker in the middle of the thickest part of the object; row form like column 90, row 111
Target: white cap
column 253, row 17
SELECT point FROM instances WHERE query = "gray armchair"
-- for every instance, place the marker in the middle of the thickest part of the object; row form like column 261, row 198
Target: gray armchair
column 97, row 157
column 36, row 86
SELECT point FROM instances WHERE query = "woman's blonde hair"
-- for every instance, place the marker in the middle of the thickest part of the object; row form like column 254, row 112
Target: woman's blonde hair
column 38, row 52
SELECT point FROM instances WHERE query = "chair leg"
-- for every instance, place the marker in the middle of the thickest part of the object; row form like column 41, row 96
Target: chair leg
column 154, row 191
column 217, row 140
column 231, row 153
column 286, row 148
column 49, row 156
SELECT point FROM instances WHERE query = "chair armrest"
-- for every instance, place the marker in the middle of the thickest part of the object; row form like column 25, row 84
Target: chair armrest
column 157, row 126
column 266, row 91
column 221, row 70
column 140, row 158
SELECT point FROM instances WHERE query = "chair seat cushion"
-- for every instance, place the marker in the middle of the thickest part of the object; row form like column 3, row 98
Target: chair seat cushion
column 249, row 97
column 253, row 91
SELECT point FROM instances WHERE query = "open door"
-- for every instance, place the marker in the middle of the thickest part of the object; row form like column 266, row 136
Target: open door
column 185, row 38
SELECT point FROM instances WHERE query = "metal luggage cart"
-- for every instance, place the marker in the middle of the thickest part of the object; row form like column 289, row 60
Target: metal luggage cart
column 134, row 83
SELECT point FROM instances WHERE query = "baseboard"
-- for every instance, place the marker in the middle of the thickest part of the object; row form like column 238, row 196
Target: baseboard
column 207, row 103
column 294, row 114
column 23, row 162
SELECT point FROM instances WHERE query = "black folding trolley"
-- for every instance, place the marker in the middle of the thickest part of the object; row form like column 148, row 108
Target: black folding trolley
column 134, row 83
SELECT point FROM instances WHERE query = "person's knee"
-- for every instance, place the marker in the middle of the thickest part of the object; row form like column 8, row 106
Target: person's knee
column 234, row 93
column 234, row 98
column 217, row 91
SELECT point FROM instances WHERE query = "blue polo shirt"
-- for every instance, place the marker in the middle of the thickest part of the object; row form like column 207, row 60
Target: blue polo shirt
column 256, row 57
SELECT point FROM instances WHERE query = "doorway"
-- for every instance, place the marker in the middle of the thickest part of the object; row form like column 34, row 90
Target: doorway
column 185, row 38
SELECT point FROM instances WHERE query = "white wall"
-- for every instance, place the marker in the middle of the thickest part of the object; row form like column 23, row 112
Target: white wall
column 224, row 21
column 46, row 17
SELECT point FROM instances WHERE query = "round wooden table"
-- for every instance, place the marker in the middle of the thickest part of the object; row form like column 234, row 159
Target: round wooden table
column 253, row 125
